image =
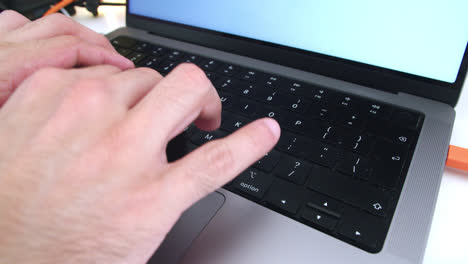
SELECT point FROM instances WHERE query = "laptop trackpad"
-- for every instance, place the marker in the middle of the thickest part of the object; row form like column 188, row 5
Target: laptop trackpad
column 187, row 228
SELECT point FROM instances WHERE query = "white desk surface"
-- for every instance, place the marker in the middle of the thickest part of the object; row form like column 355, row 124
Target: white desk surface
column 449, row 232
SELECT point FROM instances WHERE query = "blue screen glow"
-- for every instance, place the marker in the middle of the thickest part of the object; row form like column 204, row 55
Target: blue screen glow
column 422, row 37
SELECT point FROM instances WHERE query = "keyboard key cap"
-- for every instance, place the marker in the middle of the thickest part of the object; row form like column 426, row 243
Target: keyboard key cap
column 355, row 166
column 292, row 144
column 136, row 57
column 190, row 58
column 324, row 204
column 253, row 182
column 209, row 65
column 285, row 196
column 233, row 123
column 228, row 69
column 293, row 169
column 377, row 110
column 227, row 100
column 174, row 55
column 271, row 81
column 249, row 75
column 246, row 107
column 269, row 161
column 227, row 84
column 319, row 218
column 319, row 94
column 351, row 191
column 363, row 228
column 201, row 137
column 151, row 62
column 124, row 52
column 405, row 119
column 322, row 154
column 124, row 42
column 294, row 103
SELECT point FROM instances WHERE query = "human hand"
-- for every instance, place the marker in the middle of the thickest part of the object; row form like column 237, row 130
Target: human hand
column 83, row 171
column 55, row 40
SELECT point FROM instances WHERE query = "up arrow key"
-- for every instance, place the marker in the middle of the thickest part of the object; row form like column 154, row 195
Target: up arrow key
column 283, row 201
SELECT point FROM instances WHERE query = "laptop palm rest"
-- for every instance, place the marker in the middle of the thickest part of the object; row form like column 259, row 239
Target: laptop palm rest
column 187, row 228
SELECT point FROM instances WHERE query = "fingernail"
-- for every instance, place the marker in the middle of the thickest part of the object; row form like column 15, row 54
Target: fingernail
column 273, row 126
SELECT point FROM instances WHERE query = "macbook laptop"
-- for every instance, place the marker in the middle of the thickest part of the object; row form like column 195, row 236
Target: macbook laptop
column 364, row 92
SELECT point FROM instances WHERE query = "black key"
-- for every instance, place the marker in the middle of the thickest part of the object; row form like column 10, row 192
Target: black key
column 271, row 112
column 141, row 46
column 174, row 55
column 212, row 76
column 156, row 51
column 345, row 101
column 405, row 119
column 355, row 166
column 246, row 107
column 363, row 228
column 321, row 111
column 294, row 103
column 151, row 62
column 293, row 169
column 292, row 144
column 267, row 96
column 388, row 164
column 297, row 123
column 271, row 81
column 324, row 204
column 253, row 182
column 246, row 89
column 294, row 88
column 249, row 75
column 269, row 161
column 322, row 154
column 201, row 137
column 234, row 122
column 136, row 57
column 319, row 218
column 124, row 52
column 227, row 84
column 166, row 67
column 351, row 191
column 209, row 65
column 399, row 136
column 285, row 196
column 189, row 58
column 124, row 42
column 357, row 142
column 377, row 110
column 319, row 94
column 227, row 100
column 351, row 120
column 228, row 69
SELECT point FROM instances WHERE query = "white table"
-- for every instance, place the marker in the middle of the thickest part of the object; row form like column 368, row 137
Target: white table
column 449, row 233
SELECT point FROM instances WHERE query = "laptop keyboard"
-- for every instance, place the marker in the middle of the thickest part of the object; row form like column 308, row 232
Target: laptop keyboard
column 340, row 163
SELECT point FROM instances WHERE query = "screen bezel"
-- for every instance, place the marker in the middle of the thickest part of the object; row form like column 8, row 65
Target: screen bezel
column 351, row 71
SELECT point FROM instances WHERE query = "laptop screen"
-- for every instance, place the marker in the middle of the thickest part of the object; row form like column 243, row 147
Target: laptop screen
column 421, row 37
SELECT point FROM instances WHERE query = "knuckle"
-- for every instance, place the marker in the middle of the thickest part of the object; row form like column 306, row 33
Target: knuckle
column 59, row 21
column 220, row 156
column 90, row 93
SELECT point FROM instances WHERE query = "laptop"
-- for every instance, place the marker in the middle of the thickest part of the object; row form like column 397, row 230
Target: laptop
column 364, row 92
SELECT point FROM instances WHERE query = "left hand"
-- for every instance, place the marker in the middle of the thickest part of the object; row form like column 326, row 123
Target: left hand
column 53, row 41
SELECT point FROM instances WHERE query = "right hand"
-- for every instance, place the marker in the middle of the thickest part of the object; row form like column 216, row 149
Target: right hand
column 84, row 176
column 53, row 41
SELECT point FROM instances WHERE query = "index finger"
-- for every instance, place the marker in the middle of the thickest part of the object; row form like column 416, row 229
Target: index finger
column 185, row 95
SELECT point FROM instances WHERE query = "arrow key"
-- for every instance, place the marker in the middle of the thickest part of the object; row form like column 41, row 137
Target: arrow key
column 321, row 219
column 285, row 196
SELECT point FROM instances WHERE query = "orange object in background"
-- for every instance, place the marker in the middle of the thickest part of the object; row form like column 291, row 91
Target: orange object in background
column 457, row 158
column 58, row 6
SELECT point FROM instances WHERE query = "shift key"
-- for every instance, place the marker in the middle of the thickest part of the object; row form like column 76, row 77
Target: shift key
column 253, row 182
